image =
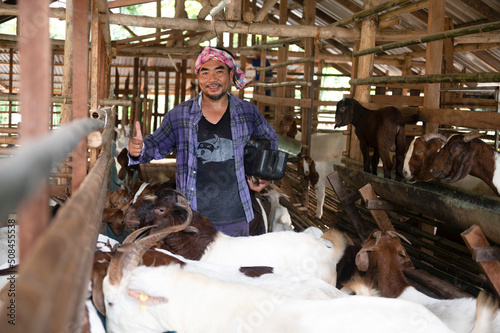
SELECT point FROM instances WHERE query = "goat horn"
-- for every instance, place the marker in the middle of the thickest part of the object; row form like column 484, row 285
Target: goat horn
column 184, row 204
column 472, row 135
column 134, row 235
column 397, row 234
column 129, row 255
column 377, row 234
column 430, row 136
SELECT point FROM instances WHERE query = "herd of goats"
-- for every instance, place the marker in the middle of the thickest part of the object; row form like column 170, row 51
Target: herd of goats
column 167, row 268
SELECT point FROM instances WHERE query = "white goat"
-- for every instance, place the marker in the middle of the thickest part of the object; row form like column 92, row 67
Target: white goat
column 167, row 298
column 326, row 150
column 300, row 253
column 279, row 217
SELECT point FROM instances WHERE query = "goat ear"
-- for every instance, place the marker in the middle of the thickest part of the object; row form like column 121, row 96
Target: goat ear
column 97, row 292
column 472, row 135
column 462, row 165
column 362, row 261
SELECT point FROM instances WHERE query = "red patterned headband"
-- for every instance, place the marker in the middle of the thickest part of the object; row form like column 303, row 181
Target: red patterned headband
column 211, row 53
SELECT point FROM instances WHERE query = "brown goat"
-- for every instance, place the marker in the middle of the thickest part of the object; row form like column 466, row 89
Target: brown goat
column 383, row 130
column 288, row 126
column 466, row 154
column 420, row 155
column 382, row 257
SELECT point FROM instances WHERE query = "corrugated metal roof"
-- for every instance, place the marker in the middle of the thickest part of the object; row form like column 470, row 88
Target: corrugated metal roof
column 327, row 12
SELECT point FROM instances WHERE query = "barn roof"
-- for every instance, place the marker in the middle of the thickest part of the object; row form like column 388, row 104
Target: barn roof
column 472, row 53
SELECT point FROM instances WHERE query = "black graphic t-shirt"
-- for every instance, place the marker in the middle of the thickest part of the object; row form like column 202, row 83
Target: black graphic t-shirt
column 216, row 186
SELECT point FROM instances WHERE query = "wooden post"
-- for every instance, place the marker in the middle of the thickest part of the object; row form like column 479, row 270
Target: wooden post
column 177, row 88
column 100, row 66
column 157, row 93
column 35, row 101
column 167, row 90
column 381, row 218
column 183, row 79
column 145, row 88
column 433, row 56
column 67, row 84
column 242, row 42
column 448, row 55
column 282, row 56
column 474, row 238
column 364, row 70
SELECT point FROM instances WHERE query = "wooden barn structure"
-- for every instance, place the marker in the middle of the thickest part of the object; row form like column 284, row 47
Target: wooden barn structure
column 439, row 59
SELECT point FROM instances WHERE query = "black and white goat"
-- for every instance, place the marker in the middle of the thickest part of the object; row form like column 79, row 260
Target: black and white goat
column 300, row 253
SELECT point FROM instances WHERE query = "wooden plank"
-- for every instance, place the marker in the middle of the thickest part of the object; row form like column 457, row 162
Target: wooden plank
column 486, row 253
column 433, row 200
column 380, row 216
column 380, row 204
column 474, row 119
column 437, row 285
column 396, row 100
column 345, row 198
column 474, row 237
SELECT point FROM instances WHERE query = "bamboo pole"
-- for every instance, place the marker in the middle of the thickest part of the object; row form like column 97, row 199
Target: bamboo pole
column 368, row 12
column 429, row 38
column 431, row 78
column 408, row 8
column 286, row 63
column 283, row 84
column 264, row 10
column 60, row 99
column 274, row 43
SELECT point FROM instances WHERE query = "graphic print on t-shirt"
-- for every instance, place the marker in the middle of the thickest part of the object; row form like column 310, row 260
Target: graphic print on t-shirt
column 215, row 150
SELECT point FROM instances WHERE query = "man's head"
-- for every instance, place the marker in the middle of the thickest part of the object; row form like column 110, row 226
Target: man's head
column 216, row 69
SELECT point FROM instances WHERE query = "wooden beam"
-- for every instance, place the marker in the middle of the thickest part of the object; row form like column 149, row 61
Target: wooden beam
column 266, row 7
column 432, row 37
column 407, row 8
column 35, row 102
column 369, row 11
column 475, row 238
column 430, row 78
column 124, row 3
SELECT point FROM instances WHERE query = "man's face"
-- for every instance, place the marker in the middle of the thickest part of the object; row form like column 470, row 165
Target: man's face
column 215, row 79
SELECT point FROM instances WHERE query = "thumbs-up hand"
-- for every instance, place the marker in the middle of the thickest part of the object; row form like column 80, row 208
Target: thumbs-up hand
column 135, row 143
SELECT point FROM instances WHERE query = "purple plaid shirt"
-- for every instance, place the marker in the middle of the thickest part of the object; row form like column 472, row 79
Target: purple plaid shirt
column 179, row 130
